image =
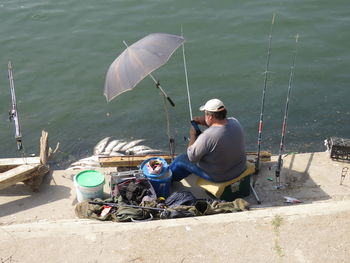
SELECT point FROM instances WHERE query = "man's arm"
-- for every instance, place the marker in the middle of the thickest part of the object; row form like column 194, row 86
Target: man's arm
column 198, row 146
column 193, row 136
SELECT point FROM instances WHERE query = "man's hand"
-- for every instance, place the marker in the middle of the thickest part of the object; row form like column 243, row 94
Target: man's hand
column 193, row 136
column 200, row 120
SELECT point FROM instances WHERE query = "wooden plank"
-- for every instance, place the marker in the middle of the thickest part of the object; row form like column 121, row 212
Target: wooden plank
column 252, row 159
column 6, row 168
column 135, row 160
column 263, row 154
column 128, row 160
column 17, row 174
column 19, row 161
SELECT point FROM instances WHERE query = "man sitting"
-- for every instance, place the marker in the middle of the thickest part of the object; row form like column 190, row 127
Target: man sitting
column 217, row 154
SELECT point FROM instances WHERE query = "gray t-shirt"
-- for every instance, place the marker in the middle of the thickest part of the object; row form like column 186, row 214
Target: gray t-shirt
column 220, row 151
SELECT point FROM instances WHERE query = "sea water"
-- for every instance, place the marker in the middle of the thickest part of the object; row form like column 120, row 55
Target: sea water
column 61, row 50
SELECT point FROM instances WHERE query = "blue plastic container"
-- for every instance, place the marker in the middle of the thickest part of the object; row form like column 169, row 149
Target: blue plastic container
column 161, row 182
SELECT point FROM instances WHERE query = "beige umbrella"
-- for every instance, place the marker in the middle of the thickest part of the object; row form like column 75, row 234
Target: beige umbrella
column 139, row 60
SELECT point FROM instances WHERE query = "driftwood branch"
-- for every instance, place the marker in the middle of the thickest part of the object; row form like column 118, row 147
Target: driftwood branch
column 52, row 153
column 44, row 147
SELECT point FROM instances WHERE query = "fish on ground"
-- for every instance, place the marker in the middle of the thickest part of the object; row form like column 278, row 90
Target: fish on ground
column 86, row 163
column 100, row 146
column 131, row 144
column 119, row 146
column 88, row 160
column 110, row 146
column 107, row 148
column 137, row 148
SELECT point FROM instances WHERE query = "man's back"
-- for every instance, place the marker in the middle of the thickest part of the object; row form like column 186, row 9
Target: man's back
column 220, row 151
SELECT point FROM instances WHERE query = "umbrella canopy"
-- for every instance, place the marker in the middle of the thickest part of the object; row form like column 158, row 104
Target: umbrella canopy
column 138, row 61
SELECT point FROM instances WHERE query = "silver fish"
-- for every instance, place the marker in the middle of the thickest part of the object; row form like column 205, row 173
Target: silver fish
column 86, row 163
column 138, row 148
column 131, row 144
column 100, row 146
column 90, row 158
column 110, row 146
column 119, row 146
column 104, row 154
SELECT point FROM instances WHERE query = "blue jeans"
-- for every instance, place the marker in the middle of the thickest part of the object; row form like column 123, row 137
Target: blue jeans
column 182, row 167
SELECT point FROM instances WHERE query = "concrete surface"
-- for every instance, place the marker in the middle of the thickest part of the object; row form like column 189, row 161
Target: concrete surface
column 42, row 227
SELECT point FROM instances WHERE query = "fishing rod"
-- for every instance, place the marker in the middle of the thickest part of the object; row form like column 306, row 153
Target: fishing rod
column 257, row 161
column 193, row 123
column 13, row 113
column 116, row 205
column 285, row 118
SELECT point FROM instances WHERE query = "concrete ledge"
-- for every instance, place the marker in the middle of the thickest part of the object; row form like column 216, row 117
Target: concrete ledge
column 299, row 233
column 291, row 212
column 41, row 227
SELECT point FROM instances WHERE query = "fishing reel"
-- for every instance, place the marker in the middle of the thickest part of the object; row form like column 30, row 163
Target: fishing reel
column 19, row 144
column 196, row 127
column 277, row 168
column 12, row 115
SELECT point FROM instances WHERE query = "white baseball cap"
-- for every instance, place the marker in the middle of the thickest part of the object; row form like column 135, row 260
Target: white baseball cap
column 213, row 105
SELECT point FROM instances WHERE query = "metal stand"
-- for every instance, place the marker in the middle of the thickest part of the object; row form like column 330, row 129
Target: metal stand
column 255, row 193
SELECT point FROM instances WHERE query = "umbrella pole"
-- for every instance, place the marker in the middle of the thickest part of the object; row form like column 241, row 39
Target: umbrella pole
column 171, row 139
column 157, row 85
column 163, row 92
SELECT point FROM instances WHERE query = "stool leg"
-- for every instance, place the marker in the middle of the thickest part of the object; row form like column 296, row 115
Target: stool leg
column 255, row 193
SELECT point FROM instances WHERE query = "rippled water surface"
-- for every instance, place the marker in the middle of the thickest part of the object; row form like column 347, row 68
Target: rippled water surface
column 61, row 50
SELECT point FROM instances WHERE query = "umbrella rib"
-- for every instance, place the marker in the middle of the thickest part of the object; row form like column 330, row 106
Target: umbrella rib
column 149, row 74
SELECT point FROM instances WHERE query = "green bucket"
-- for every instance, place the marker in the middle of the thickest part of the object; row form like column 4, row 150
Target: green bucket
column 89, row 185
